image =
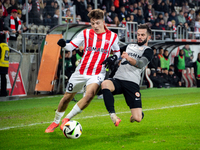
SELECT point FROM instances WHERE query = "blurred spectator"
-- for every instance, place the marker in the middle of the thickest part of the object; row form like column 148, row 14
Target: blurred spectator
column 156, row 26
column 90, row 2
column 5, row 13
column 197, row 28
column 162, row 24
column 173, row 79
column 124, row 3
column 161, row 58
column 116, row 21
column 49, row 11
column 34, row 14
column 165, row 17
column 165, row 8
column 174, row 28
column 13, row 6
column 158, row 7
column 108, row 4
column 66, row 4
column 173, row 16
column 84, row 16
column 197, row 70
column 135, row 6
column 179, row 64
column 69, row 66
column 55, row 18
column 149, row 14
column 185, row 7
column 13, row 24
column 112, row 12
column 166, row 60
column 140, row 17
column 4, row 64
column 7, row 4
column 140, row 6
column 155, row 62
column 29, row 7
column 68, row 14
column 181, row 18
column 157, row 82
column 3, row 29
column 191, row 19
column 101, row 3
column 171, row 7
column 187, row 29
column 130, row 9
column 107, row 18
column 169, row 28
column 4, row 55
column 160, row 16
column 188, row 53
column 122, row 13
column 80, row 8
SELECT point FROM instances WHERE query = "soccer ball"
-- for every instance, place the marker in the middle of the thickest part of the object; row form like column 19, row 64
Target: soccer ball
column 72, row 129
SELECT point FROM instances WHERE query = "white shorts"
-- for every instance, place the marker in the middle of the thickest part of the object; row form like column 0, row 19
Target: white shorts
column 77, row 81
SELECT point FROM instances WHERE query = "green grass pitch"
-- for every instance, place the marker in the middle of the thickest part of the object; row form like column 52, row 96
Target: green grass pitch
column 171, row 122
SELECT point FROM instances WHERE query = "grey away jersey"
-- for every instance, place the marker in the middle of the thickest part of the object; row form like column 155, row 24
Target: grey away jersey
column 128, row 72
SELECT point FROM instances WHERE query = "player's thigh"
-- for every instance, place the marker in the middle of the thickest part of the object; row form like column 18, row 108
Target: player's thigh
column 76, row 82
column 91, row 90
column 132, row 95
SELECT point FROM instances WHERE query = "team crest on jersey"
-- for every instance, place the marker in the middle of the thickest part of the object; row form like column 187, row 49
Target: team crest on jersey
column 137, row 94
column 141, row 48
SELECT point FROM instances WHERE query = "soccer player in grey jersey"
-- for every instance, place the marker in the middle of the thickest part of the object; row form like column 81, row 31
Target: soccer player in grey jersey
column 127, row 78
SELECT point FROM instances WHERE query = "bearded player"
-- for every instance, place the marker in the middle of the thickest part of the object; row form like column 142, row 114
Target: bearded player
column 127, row 78
column 98, row 43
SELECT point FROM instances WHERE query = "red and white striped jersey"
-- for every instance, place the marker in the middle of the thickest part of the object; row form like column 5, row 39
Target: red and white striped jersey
column 97, row 48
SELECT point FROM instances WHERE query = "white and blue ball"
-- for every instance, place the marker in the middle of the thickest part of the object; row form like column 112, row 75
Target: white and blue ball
column 72, row 129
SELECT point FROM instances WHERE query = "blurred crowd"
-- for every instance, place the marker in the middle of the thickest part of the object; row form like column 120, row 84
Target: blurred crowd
column 161, row 14
column 170, row 73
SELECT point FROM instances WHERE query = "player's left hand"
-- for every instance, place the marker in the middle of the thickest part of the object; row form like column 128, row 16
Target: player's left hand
column 61, row 43
column 110, row 61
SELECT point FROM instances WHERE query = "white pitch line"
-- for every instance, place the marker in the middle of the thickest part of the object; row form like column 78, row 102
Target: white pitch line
column 167, row 107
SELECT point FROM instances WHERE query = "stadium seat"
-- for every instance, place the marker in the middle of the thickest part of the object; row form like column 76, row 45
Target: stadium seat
column 147, row 74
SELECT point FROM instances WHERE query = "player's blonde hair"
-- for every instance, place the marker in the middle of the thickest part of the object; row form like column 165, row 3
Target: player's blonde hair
column 96, row 14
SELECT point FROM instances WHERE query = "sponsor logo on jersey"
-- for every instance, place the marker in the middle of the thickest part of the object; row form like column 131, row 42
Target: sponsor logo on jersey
column 135, row 55
column 137, row 94
column 105, row 51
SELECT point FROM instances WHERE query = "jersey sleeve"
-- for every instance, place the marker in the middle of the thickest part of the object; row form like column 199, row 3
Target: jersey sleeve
column 115, row 47
column 75, row 42
column 148, row 53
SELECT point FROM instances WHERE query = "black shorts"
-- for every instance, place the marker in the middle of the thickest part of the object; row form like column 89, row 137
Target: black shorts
column 130, row 90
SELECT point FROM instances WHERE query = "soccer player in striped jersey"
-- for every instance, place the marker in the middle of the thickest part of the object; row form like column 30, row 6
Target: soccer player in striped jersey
column 127, row 78
column 98, row 43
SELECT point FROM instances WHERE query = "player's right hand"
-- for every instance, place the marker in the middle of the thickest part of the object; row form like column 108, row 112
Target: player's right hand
column 61, row 43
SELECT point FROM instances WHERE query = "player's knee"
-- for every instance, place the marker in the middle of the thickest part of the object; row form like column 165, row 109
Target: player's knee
column 88, row 97
column 137, row 118
column 66, row 98
column 105, row 84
